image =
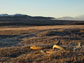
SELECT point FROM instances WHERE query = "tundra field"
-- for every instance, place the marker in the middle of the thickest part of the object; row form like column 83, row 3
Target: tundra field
column 42, row 44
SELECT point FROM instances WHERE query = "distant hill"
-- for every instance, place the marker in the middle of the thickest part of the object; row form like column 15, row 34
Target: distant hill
column 66, row 18
column 81, row 18
column 19, row 19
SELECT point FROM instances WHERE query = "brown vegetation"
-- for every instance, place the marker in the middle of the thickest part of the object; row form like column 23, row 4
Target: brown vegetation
column 43, row 44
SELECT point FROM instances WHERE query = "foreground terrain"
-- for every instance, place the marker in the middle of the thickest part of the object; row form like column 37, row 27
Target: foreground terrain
column 16, row 43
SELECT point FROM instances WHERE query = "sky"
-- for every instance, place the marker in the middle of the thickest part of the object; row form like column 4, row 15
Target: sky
column 48, row 8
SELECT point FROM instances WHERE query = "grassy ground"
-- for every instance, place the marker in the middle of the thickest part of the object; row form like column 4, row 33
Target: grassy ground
column 15, row 43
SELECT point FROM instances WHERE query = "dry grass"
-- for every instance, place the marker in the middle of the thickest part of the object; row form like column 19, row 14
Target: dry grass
column 43, row 38
column 44, row 27
column 81, row 30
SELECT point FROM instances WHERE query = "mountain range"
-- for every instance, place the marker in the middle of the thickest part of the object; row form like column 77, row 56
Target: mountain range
column 41, row 17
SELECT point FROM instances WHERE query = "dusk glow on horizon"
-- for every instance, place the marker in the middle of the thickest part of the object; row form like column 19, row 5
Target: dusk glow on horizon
column 53, row 8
